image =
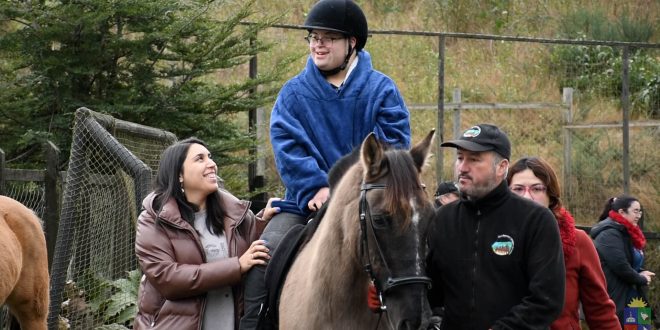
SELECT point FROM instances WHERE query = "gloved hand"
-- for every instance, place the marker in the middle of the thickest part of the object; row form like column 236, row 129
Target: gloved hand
column 372, row 298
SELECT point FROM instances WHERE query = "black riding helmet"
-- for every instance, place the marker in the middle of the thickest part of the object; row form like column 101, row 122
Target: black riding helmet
column 343, row 16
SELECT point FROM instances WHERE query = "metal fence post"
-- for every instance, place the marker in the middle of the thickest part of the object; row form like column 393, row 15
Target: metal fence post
column 456, row 99
column 440, row 130
column 256, row 167
column 567, row 100
column 625, row 104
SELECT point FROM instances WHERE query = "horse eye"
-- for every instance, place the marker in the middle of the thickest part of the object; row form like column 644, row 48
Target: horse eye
column 380, row 221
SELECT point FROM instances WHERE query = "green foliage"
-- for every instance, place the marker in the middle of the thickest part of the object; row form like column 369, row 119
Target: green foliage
column 589, row 24
column 121, row 307
column 388, row 6
column 594, row 25
column 104, row 304
column 158, row 63
column 598, row 70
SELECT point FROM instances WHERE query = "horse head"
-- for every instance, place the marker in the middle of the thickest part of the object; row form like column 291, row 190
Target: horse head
column 394, row 215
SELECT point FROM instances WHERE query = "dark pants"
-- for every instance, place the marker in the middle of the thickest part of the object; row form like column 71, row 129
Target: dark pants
column 255, row 287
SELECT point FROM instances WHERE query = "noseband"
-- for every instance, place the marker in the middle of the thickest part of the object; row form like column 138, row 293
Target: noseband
column 365, row 219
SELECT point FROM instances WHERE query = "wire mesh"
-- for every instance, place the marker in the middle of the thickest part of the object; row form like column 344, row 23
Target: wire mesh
column 29, row 193
column 91, row 281
column 596, row 172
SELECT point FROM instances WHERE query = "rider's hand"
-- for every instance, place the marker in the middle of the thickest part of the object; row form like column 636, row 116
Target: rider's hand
column 269, row 211
column 317, row 201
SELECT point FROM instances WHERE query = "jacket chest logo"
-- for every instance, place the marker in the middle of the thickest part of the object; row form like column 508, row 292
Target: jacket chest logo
column 503, row 245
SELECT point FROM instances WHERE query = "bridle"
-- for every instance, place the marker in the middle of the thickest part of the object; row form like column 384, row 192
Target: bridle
column 391, row 282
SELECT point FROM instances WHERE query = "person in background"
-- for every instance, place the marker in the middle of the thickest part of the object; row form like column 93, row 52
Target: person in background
column 495, row 259
column 194, row 242
column 446, row 193
column 620, row 244
column 533, row 178
column 319, row 116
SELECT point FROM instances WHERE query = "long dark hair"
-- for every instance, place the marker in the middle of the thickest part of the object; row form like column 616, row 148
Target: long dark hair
column 167, row 186
column 545, row 173
column 615, row 204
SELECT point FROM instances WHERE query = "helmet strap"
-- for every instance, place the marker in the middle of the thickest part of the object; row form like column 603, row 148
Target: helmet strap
column 343, row 66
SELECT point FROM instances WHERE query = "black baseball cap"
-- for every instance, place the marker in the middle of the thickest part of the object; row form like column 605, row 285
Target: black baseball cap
column 445, row 188
column 483, row 137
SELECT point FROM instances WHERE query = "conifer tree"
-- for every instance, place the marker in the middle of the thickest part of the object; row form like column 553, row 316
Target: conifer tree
column 160, row 63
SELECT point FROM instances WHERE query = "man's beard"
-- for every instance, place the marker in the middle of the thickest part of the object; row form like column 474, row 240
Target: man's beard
column 477, row 191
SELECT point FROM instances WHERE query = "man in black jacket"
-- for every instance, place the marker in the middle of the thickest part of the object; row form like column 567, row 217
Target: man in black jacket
column 495, row 259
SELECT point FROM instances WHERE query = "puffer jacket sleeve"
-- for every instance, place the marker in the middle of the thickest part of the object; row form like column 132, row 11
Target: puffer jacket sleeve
column 172, row 278
column 599, row 309
column 611, row 244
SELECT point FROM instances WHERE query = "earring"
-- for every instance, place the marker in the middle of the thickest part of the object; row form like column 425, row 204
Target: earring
column 182, row 190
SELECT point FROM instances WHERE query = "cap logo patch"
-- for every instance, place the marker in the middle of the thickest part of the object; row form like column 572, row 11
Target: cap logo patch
column 472, row 132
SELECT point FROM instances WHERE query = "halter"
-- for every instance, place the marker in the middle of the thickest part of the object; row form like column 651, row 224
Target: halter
column 365, row 214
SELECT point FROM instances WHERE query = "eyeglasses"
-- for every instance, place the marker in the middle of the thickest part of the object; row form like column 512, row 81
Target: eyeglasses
column 535, row 189
column 637, row 212
column 313, row 39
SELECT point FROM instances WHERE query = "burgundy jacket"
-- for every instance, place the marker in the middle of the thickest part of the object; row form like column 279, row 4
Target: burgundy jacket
column 585, row 283
column 172, row 293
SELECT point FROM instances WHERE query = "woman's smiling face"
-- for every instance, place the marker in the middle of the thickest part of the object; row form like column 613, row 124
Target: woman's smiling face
column 198, row 175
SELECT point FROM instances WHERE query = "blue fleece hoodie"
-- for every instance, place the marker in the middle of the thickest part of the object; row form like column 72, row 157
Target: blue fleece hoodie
column 313, row 124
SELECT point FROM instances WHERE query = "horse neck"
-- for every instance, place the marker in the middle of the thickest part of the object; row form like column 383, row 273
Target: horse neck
column 335, row 246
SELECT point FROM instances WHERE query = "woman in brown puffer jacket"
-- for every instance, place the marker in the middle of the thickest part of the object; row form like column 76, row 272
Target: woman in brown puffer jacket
column 194, row 242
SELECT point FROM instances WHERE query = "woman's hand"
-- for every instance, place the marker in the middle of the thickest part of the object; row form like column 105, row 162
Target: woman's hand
column 256, row 254
column 269, row 211
column 648, row 275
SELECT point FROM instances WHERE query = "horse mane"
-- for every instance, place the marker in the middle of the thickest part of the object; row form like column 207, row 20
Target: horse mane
column 403, row 184
column 342, row 166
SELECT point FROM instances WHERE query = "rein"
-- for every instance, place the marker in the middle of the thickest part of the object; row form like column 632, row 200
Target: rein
column 391, row 282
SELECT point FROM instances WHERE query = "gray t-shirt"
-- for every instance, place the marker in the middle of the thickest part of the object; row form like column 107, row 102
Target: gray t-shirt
column 219, row 312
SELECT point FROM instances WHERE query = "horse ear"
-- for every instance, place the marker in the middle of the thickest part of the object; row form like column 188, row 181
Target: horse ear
column 421, row 151
column 372, row 155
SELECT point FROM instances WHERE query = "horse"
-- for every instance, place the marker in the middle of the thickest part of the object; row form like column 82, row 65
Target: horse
column 373, row 232
column 24, row 281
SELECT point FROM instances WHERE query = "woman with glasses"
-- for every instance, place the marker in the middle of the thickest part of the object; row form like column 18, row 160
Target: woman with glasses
column 620, row 244
column 534, row 178
column 320, row 115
